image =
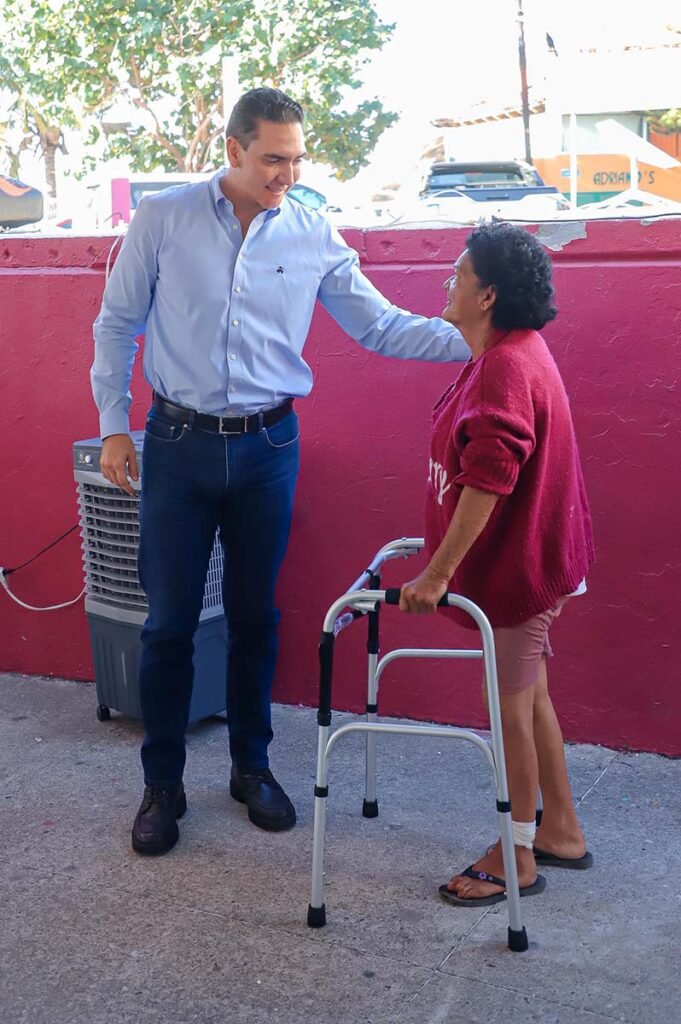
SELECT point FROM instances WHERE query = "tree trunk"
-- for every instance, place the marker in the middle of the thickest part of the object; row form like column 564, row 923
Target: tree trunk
column 49, row 148
column 50, row 141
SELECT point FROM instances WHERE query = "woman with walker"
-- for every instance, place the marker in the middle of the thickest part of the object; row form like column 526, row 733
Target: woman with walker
column 508, row 526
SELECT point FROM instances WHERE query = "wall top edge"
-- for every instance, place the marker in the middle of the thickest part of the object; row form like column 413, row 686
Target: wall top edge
column 610, row 240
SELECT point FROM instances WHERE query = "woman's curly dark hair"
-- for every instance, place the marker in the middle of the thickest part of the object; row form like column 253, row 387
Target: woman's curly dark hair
column 519, row 268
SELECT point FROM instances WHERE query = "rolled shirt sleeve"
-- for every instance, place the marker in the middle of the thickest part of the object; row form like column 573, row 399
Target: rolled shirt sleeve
column 494, row 450
column 496, row 435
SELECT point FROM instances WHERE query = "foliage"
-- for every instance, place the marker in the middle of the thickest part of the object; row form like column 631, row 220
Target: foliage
column 70, row 63
column 38, row 101
column 664, row 120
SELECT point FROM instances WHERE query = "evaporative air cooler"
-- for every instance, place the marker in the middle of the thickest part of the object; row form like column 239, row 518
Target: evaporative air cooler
column 116, row 605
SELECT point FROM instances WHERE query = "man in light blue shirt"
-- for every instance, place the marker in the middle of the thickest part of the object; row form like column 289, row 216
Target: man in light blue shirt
column 222, row 276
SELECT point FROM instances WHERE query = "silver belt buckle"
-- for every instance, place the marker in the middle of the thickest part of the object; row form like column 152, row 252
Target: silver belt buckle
column 232, row 433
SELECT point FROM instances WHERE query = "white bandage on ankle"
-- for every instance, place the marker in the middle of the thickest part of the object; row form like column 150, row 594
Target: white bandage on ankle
column 524, row 833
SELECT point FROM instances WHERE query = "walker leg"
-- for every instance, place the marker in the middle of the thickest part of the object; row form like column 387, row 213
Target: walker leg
column 316, row 911
column 517, row 936
column 370, row 803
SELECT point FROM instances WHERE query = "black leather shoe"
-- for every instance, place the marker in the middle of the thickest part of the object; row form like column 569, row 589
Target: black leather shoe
column 155, row 830
column 268, row 805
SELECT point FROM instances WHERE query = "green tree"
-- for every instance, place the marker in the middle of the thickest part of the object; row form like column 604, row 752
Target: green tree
column 163, row 57
column 664, row 120
column 36, row 105
column 49, row 82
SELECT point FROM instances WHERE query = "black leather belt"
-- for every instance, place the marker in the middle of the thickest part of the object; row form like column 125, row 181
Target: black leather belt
column 252, row 424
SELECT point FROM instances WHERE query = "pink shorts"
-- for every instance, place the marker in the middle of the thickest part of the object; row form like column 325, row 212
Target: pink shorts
column 519, row 650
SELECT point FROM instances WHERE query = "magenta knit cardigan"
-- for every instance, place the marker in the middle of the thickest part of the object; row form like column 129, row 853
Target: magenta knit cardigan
column 504, row 426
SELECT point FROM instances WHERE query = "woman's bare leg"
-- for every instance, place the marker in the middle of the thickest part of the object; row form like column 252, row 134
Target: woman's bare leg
column 559, row 832
column 517, row 716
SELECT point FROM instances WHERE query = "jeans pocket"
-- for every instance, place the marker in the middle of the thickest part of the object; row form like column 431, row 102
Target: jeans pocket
column 162, row 429
column 283, row 433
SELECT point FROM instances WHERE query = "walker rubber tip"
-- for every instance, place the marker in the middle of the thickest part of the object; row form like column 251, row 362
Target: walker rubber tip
column 370, row 808
column 316, row 916
column 517, row 941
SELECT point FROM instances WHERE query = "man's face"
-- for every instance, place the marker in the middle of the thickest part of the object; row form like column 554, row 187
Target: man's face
column 465, row 293
column 265, row 171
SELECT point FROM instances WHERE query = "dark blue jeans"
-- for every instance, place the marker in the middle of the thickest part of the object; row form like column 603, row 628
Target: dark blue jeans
column 194, row 482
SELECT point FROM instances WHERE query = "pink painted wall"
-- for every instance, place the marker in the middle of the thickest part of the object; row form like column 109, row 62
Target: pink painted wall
column 365, row 426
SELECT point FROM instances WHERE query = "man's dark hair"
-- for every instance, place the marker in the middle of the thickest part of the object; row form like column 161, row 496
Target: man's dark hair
column 519, row 268
column 261, row 105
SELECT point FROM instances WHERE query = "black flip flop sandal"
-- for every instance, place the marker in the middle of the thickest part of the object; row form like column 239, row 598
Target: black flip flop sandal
column 537, row 886
column 572, row 863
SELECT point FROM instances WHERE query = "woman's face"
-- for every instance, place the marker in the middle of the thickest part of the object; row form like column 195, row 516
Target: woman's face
column 468, row 301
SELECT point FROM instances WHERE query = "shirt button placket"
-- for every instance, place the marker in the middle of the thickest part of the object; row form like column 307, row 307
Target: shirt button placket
column 235, row 324
column 232, row 355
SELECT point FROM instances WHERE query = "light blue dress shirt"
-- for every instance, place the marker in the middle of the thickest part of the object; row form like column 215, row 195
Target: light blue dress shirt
column 225, row 318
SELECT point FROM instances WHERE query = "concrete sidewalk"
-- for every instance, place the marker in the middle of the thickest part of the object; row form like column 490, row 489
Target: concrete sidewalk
column 215, row 932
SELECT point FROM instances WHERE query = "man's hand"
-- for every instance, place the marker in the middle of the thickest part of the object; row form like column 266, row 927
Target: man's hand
column 118, row 461
column 422, row 594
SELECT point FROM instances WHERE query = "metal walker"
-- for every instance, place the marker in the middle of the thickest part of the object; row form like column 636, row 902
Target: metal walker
column 354, row 604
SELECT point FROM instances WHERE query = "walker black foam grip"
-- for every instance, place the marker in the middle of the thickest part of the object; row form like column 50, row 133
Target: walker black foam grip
column 325, row 674
column 373, row 646
column 392, row 596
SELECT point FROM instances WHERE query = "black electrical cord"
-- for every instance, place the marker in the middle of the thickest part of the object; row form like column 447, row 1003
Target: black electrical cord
column 6, row 572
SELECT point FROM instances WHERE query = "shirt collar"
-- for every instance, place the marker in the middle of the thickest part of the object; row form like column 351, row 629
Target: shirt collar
column 219, row 196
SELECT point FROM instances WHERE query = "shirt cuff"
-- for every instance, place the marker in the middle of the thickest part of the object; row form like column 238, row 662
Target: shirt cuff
column 113, row 421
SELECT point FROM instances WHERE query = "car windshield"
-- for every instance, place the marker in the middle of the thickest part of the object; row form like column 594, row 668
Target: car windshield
column 473, row 179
